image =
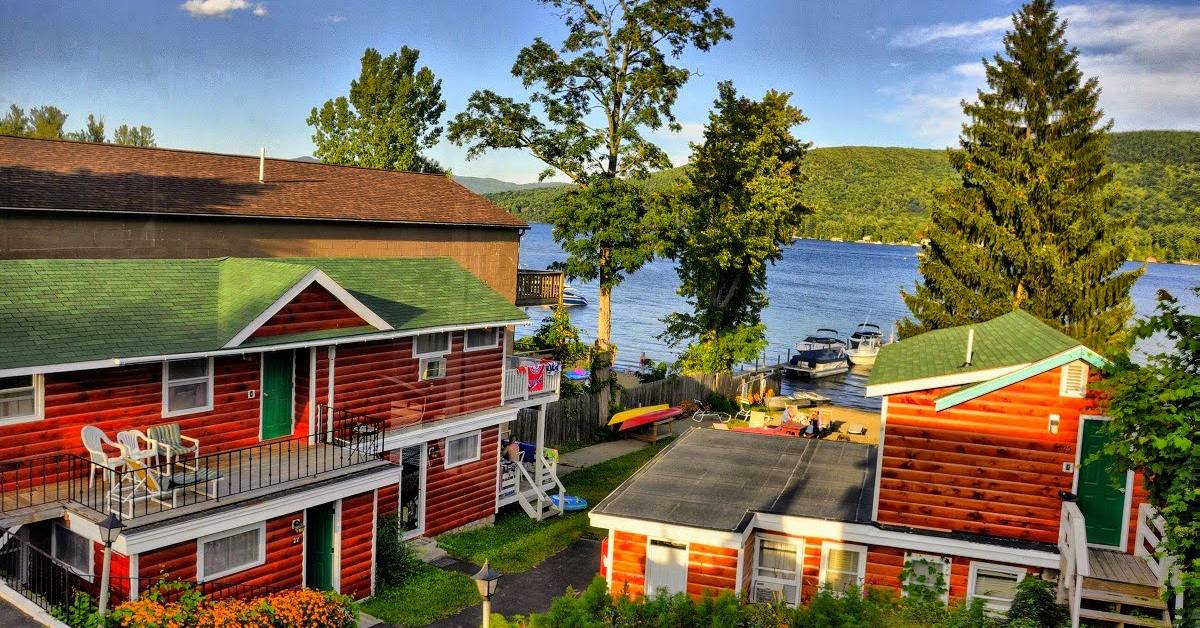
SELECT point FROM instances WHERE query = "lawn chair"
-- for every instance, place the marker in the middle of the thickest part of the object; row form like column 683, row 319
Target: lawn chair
column 744, row 402
column 758, row 419
column 136, row 446
column 149, row 483
column 94, row 440
column 173, row 445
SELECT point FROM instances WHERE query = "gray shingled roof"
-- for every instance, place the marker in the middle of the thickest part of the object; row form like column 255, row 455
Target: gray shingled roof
column 715, row 479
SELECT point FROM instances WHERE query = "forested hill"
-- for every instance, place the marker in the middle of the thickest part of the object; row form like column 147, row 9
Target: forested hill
column 885, row 193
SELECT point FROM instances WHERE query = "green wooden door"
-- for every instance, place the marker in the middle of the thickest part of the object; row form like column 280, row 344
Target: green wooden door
column 1102, row 504
column 276, row 394
column 318, row 547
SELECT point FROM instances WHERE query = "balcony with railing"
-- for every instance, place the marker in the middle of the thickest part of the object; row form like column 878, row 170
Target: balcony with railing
column 151, row 489
column 531, row 381
column 539, row 287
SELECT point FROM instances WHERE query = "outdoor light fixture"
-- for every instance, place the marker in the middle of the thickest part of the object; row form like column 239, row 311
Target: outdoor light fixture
column 110, row 529
column 487, row 579
column 434, row 452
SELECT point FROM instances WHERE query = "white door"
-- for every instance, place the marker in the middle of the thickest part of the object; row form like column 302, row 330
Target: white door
column 666, row 568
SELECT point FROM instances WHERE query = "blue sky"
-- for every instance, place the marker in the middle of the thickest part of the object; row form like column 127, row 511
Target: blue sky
column 231, row 75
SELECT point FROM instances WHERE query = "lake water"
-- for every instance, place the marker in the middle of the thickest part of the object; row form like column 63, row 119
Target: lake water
column 816, row 284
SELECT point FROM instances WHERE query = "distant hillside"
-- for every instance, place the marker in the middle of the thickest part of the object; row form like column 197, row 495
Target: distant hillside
column 885, row 193
column 486, row 185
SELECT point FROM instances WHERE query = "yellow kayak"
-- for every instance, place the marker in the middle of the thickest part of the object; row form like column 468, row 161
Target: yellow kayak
column 625, row 415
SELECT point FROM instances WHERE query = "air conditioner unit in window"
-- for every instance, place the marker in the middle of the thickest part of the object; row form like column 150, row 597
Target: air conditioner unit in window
column 767, row 592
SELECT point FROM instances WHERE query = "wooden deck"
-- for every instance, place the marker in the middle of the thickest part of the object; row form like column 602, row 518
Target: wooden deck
column 243, row 476
column 1117, row 566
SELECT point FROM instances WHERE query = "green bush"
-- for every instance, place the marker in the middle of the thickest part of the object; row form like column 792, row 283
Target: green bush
column 395, row 559
column 1036, row 602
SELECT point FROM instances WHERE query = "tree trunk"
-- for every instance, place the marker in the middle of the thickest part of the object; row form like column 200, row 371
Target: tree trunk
column 604, row 347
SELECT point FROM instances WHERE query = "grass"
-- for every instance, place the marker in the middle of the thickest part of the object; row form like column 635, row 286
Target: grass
column 517, row 543
column 428, row 595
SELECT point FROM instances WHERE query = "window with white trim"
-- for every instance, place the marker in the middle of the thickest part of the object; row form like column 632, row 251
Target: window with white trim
column 926, row 571
column 187, row 386
column 996, row 585
column 72, row 550
column 20, row 398
column 432, row 368
column 842, row 566
column 776, row 571
column 481, row 338
column 230, row 552
column 431, row 345
column 1073, row 380
column 462, row 449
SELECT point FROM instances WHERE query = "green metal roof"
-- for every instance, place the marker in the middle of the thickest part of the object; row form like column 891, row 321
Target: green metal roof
column 64, row 311
column 1010, row 340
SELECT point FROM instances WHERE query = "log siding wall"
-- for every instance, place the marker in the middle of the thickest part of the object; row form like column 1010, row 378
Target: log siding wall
column 463, row 494
column 989, row 466
column 314, row 309
column 711, row 568
column 358, row 539
column 628, row 564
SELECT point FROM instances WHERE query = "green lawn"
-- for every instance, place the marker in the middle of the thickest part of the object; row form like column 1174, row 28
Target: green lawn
column 517, row 543
column 426, row 596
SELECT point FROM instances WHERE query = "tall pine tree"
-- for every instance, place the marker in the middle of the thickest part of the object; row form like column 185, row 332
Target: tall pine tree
column 1029, row 226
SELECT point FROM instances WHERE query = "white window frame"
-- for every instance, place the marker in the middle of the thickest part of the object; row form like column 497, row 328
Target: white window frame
column 945, row 562
column 993, row 604
column 38, row 383
column 425, row 362
column 686, row 547
column 1079, row 393
column 862, row 563
column 798, row 544
column 167, row 383
column 432, row 354
column 477, row 434
column 91, row 554
column 470, row 347
column 260, row 560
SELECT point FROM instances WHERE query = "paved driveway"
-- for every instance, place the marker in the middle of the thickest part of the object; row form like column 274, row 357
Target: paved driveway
column 10, row 617
column 532, row 591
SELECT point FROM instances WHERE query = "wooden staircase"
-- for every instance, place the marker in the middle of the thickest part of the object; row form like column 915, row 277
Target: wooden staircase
column 1121, row 591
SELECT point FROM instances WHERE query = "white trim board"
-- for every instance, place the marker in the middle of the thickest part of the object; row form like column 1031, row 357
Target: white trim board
column 319, row 277
column 398, row 439
column 941, row 381
column 659, row 530
column 328, row 342
column 137, row 541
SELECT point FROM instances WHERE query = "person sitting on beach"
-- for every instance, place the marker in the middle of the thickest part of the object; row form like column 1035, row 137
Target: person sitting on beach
column 814, row 425
column 791, row 414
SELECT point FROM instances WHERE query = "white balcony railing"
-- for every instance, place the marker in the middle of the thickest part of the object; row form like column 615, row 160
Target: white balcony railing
column 526, row 379
column 1073, row 558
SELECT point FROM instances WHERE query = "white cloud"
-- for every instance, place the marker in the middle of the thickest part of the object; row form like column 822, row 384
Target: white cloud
column 214, row 8
column 1146, row 58
column 334, row 19
column 260, row 10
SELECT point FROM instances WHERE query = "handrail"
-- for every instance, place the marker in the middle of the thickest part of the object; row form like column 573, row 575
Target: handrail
column 1151, row 528
column 562, row 490
column 1077, row 537
column 1073, row 558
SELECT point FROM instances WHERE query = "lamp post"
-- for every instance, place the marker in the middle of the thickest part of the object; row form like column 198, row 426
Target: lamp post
column 110, row 529
column 487, row 579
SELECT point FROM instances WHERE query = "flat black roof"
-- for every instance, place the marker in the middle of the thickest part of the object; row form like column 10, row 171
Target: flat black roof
column 715, row 478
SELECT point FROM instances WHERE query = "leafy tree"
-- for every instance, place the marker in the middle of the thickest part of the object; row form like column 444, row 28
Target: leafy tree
column 128, row 135
column 93, row 132
column 15, row 122
column 740, row 205
column 610, row 79
column 47, row 122
column 1028, row 228
column 390, row 116
column 1155, row 412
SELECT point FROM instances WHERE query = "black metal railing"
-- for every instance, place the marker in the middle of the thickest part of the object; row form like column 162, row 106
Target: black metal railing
column 539, row 287
column 52, row 585
column 340, row 439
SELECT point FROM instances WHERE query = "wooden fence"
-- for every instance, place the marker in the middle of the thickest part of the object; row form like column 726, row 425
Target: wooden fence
column 578, row 418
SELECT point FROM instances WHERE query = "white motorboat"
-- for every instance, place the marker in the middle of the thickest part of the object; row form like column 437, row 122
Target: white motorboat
column 572, row 298
column 864, row 344
column 820, row 355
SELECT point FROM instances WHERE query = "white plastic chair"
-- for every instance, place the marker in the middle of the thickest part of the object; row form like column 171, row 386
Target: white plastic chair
column 94, row 440
column 136, row 445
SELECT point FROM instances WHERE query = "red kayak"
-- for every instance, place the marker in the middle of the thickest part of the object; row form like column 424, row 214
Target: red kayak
column 650, row 418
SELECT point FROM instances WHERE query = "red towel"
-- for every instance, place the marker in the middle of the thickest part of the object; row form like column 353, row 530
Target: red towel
column 537, row 377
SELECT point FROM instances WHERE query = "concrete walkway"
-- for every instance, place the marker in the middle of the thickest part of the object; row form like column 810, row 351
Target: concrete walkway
column 532, row 591
column 595, row 454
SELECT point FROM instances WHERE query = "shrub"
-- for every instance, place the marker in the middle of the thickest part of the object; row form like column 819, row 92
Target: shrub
column 395, row 559
column 288, row 609
column 1036, row 602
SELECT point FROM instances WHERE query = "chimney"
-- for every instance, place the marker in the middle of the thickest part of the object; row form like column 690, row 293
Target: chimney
column 262, row 163
column 970, row 346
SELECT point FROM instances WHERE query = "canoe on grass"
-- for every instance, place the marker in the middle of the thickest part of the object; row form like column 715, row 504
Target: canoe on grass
column 651, row 417
column 625, row 415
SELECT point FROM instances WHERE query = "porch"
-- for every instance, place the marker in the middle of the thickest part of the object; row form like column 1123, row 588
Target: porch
column 45, row 487
column 1110, row 587
column 539, row 287
column 529, row 381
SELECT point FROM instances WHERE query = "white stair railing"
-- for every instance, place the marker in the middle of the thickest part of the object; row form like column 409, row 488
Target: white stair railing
column 1073, row 559
column 1150, row 533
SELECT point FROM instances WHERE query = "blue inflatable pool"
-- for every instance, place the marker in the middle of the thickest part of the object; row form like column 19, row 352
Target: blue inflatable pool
column 574, row 502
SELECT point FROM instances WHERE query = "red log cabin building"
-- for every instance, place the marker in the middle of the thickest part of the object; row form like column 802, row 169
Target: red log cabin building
column 250, row 419
column 978, row 481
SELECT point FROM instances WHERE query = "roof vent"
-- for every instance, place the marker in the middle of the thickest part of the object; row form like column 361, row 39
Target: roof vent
column 262, row 163
column 970, row 346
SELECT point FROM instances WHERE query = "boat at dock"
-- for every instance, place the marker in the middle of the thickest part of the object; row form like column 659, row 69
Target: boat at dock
column 819, row 355
column 572, row 298
column 864, row 344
